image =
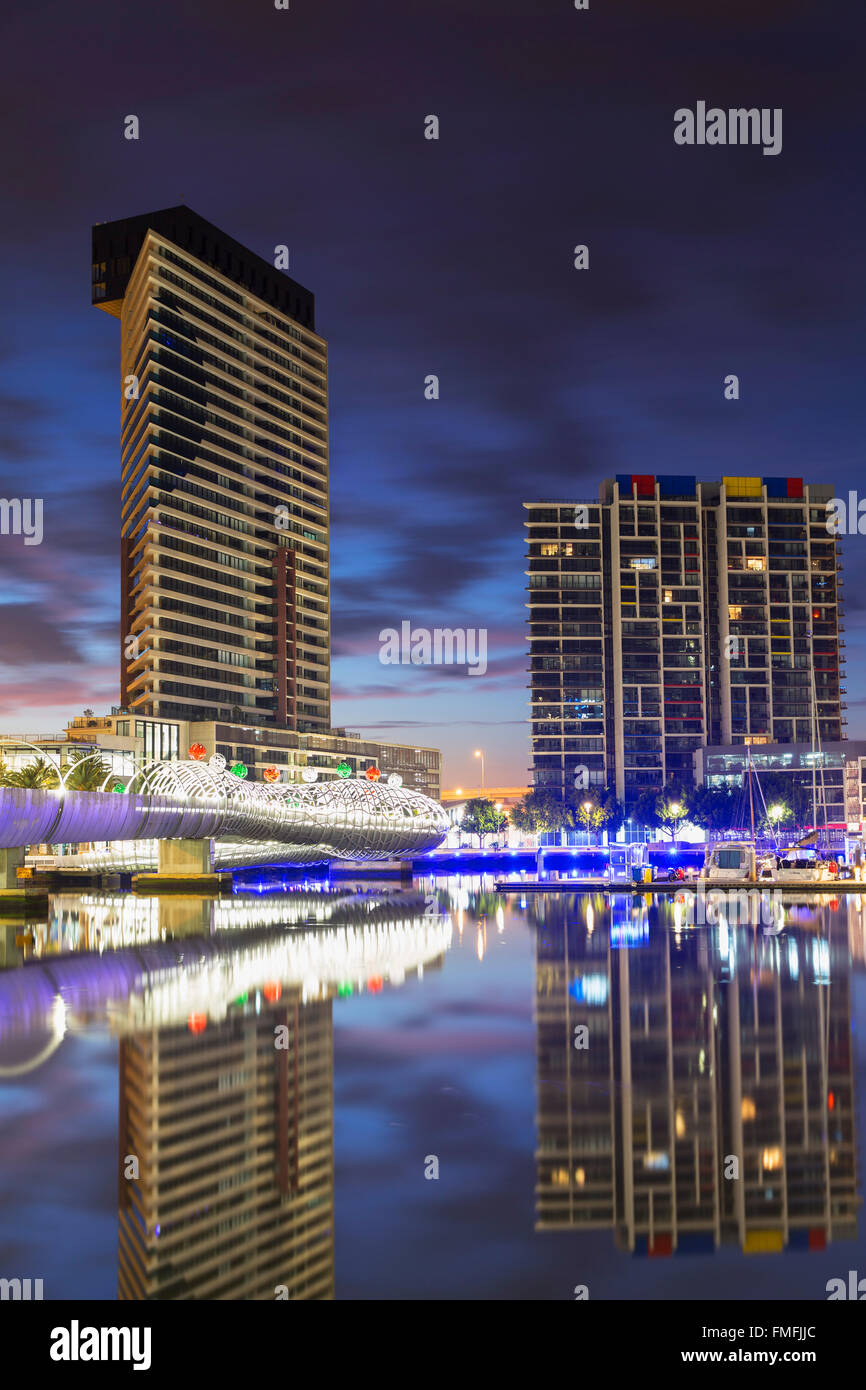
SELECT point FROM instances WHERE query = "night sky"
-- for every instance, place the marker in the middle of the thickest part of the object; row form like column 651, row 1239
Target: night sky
column 452, row 257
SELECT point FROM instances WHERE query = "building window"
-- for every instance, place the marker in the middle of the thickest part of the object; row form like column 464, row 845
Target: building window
column 756, row 562
column 644, row 562
column 734, row 612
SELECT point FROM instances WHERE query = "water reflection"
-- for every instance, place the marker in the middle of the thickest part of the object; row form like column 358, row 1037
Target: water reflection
column 695, row 1086
column 226, row 1094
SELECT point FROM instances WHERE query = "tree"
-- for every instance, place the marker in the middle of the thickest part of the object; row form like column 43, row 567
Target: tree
column 672, row 808
column 540, row 811
column 713, row 808
column 37, row 774
column 480, row 817
column 597, row 810
column 665, row 809
column 90, row 776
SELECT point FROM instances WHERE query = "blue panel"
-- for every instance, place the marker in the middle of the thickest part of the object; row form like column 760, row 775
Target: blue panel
column 776, row 487
column 797, row 1240
column 681, row 485
column 641, row 1245
column 624, row 480
column 696, row 1243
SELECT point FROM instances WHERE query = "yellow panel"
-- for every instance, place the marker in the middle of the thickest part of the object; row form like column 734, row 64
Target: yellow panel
column 743, row 487
column 763, row 1242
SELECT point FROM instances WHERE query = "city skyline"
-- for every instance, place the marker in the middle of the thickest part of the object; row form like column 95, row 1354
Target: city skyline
column 702, row 263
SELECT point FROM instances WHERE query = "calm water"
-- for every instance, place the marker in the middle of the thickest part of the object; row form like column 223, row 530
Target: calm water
column 252, row 1099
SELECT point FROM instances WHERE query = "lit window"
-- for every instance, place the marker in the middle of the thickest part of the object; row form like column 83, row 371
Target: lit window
column 747, row 1109
column 756, row 562
column 771, row 1159
column 735, row 612
column 550, row 548
column 644, row 562
column 669, row 596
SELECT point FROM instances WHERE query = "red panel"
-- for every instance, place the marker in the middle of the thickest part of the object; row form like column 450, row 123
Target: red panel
column 645, row 484
column 817, row 1238
column 795, row 487
column 661, row 1245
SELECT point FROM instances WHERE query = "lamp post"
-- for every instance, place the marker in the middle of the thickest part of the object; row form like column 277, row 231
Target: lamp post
column 479, row 754
column 587, row 806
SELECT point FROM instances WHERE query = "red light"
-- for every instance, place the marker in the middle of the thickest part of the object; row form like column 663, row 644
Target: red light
column 271, row 774
column 831, row 1101
column 272, row 992
column 373, row 774
column 196, row 1023
column 374, row 984
column 197, row 751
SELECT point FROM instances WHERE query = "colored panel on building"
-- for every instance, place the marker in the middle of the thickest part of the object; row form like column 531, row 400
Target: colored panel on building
column 624, row 483
column 661, row 1245
column 795, row 487
column 817, row 1238
column 644, row 484
column 776, row 487
column 677, row 486
column 763, row 1242
column 696, row 1243
column 743, row 487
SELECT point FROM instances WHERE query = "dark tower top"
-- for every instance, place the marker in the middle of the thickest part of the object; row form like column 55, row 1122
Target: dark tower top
column 116, row 246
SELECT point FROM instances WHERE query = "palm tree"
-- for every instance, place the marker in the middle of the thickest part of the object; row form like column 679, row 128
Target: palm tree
column 37, row 775
column 90, row 776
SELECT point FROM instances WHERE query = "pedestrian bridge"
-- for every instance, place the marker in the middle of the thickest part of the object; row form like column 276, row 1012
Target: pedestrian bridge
column 340, row 819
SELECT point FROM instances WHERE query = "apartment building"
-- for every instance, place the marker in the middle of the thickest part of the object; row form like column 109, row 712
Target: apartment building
column 672, row 614
column 224, row 467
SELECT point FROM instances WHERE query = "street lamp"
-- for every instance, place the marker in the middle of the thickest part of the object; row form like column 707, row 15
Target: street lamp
column 675, row 808
column 480, row 754
column 776, row 812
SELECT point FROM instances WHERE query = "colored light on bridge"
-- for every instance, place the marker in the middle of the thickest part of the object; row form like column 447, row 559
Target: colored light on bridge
column 197, row 751
column 242, row 998
column 118, row 787
column 273, row 991
column 271, row 774
column 310, row 774
column 372, row 774
column 374, row 984
column 344, row 769
column 345, row 991
column 239, row 769
column 217, row 762
column 196, row 1023
column 395, row 780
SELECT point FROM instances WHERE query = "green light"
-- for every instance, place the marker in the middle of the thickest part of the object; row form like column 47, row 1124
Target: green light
column 239, row 769
column 344, row 991
column 344, row 769
column 118, row 787
column 242, row 998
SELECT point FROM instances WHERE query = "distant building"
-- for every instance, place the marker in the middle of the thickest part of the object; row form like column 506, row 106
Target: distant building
column 673, row 614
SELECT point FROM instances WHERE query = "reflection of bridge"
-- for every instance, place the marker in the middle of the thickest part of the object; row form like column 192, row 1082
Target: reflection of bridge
column 345, row 819
column 242, row 949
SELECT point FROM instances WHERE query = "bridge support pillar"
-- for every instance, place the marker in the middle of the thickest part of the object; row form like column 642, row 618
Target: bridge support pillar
column 184, row 866
column 185, row 857
column 10, row 861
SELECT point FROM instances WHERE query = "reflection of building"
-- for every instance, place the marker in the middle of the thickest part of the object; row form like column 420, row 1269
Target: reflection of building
column 833, row 772
column 234, row 1138
column 702, row 1045
column 671, row 614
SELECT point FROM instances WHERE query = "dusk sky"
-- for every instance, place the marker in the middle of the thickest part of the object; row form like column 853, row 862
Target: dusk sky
column 453, row 257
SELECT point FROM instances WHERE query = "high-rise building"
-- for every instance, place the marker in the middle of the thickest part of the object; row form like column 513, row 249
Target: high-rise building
column 673, row 614
column 224, row 458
